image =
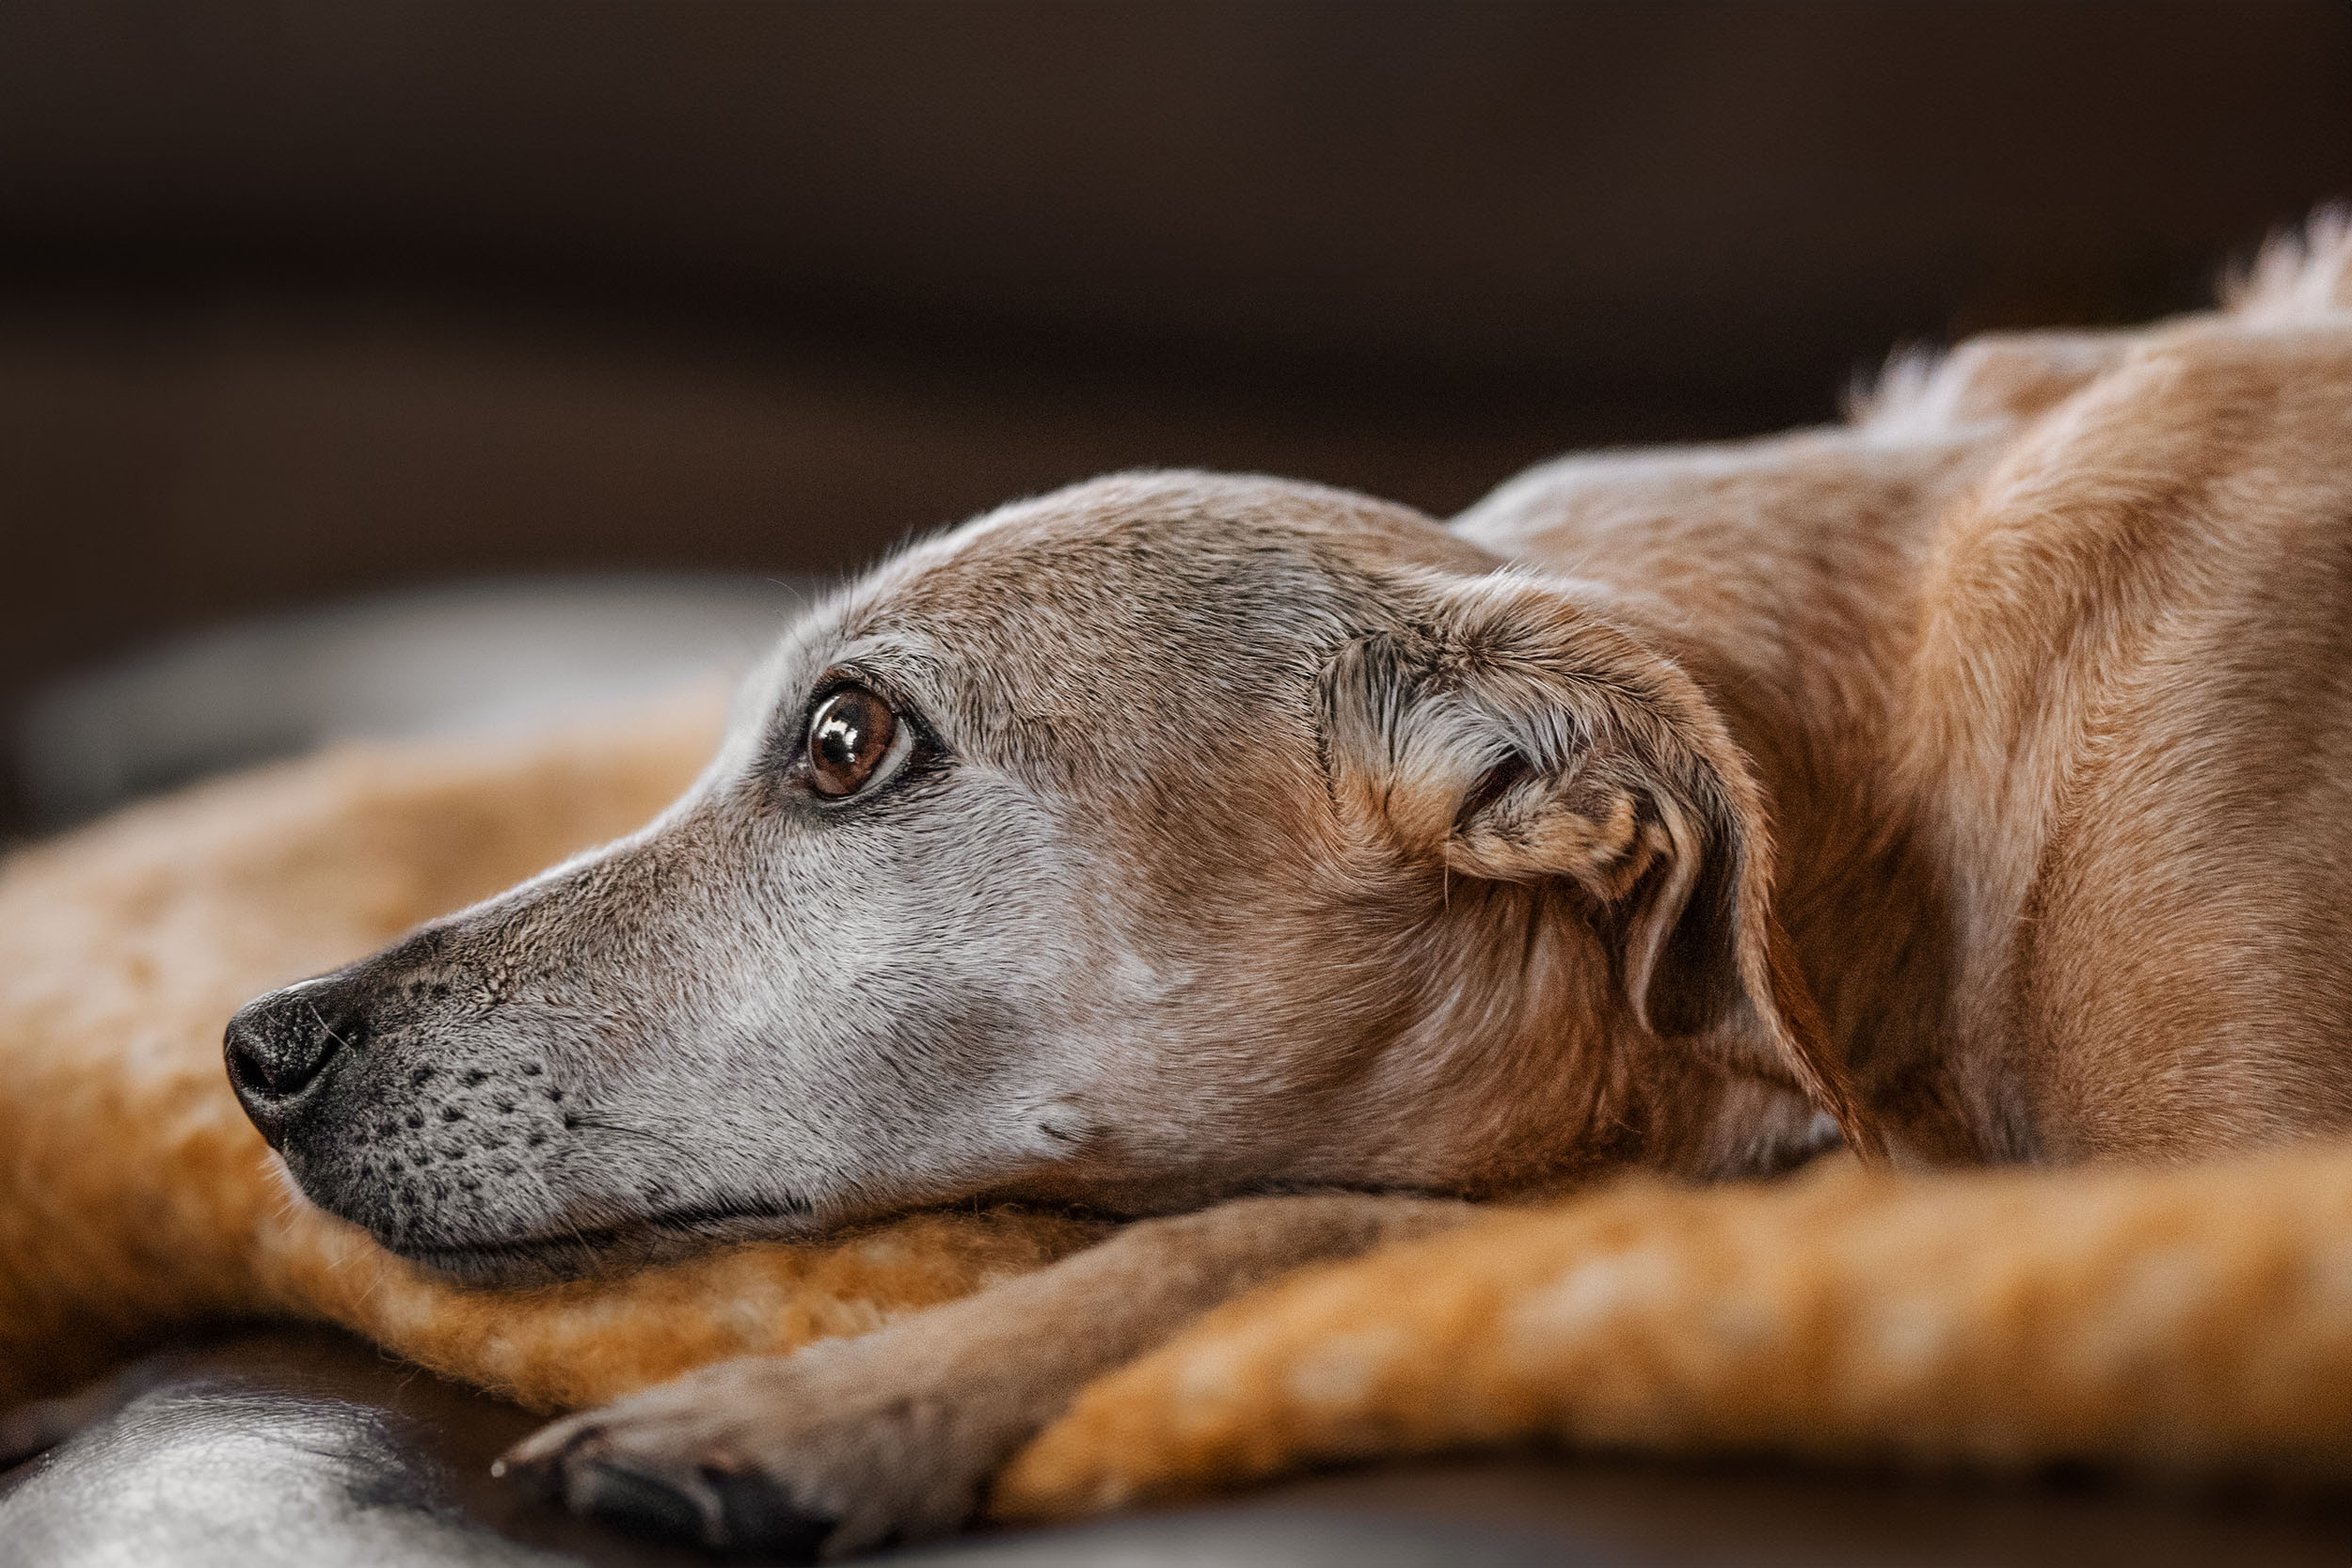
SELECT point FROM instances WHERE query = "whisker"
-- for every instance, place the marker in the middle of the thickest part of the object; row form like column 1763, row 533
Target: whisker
column 323, row 1024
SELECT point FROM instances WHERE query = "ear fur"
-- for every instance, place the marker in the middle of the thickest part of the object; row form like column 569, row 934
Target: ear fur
column 1516, row 736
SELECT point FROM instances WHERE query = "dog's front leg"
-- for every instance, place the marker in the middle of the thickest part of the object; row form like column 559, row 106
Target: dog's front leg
column 894, row 1435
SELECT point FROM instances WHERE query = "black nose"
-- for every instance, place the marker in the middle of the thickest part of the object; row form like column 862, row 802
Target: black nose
column 279, row 1046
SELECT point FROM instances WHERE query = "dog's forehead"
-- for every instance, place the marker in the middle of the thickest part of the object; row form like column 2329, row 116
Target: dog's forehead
column 1143, row 603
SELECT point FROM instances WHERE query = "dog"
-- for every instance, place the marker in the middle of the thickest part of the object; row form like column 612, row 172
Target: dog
column 1289, row 873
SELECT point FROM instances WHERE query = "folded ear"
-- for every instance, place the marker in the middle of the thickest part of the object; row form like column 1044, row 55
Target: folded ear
column 1515, row 737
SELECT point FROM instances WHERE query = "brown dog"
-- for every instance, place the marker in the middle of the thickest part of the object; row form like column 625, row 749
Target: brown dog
column 1967, row 783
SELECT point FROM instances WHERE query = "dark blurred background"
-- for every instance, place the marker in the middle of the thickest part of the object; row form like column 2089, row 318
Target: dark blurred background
column 300, row 301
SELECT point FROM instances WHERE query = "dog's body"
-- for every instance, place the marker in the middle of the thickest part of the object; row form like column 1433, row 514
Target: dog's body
column 1970, row 782
column 2050, row 724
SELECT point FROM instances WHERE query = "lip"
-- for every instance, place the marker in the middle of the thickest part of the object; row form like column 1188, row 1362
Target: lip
column 551, row 1256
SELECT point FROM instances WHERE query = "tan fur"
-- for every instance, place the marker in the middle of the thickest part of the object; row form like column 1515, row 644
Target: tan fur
column 1999, row 738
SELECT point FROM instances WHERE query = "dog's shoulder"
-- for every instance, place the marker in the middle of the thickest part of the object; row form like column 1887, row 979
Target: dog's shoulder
column 2127, row 725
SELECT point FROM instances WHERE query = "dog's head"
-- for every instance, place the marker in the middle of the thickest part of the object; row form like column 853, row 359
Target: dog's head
column 1166, row 838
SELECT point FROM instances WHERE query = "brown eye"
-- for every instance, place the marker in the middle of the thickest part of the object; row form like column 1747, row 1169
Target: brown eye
column 850, row 736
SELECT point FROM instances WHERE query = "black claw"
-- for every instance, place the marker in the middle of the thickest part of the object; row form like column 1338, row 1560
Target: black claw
column 759, row 1515
column 637, row 1503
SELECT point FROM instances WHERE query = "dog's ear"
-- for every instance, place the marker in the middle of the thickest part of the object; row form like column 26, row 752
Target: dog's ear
column 1515, row 737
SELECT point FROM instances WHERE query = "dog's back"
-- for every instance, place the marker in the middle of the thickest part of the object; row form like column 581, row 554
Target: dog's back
column 2044, row 659
column 2129, row 728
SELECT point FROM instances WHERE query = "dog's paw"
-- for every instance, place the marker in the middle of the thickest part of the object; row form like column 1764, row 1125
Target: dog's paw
column 839, row 1448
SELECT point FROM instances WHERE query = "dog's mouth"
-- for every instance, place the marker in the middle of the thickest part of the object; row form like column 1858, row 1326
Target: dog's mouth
column 577, row 1252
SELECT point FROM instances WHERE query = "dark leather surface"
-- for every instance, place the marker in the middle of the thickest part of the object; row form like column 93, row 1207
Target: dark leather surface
column 308, row 1448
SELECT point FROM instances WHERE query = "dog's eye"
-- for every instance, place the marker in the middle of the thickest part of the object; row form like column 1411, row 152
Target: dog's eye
column 851, row 736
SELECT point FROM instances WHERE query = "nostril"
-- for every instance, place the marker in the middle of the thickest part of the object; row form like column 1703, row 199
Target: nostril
column 278, row 1044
